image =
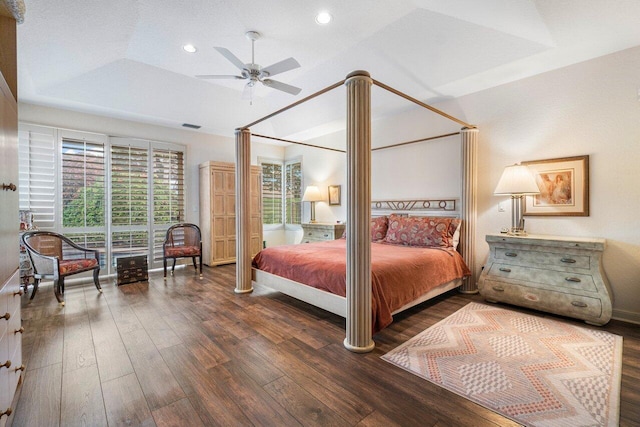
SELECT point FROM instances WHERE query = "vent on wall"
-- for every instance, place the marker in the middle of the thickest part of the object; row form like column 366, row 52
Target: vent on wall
column 190, row 126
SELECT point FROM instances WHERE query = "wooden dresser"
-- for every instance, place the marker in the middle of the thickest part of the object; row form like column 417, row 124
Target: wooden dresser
column 218, row 212
column 561, row 275
column 318, row 232
column 11, row 368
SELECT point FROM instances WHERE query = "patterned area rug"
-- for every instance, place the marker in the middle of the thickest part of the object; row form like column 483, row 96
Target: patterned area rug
column 534, row 370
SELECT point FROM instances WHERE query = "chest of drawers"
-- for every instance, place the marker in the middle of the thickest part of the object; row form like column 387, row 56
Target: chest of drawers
column 318, row 232
column 561, row 275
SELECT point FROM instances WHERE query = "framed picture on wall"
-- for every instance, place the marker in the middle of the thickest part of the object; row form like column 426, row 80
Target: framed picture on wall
column 334, row 195
column 564, row 187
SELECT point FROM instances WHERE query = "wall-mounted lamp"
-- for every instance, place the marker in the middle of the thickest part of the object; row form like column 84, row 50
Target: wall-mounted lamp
column 517, row 181
column 312, row 194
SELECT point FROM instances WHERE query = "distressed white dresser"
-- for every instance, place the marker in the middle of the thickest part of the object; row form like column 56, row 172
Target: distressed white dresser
column 561, row 275
column 318, row 232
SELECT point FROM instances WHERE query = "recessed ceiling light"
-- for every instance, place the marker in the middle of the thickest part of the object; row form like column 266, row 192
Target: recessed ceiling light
column 189, row 48
column 323, row 18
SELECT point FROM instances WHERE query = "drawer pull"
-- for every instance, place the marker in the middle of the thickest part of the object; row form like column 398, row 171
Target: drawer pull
column 572, row 279
column 19, row 331
column 326, row 235
column 511, row 254
column 20, row 292
column 568, row 260
column 20, row 368
column 6, row 316
column 6, row 364
column 7, row 412
column 506, row 270
column 578, row 304
column 498, row 288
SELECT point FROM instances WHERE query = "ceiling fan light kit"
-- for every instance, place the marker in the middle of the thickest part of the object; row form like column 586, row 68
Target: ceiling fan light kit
column 254, row 73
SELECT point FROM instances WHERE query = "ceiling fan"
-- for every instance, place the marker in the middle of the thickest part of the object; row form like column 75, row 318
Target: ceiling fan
column 254, row 73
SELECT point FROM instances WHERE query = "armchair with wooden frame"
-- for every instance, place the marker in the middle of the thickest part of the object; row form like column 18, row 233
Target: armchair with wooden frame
column 182, row 241
column 56, row 257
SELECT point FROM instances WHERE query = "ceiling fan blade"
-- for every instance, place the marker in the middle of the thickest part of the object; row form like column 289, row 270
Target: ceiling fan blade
column 218, row 76
column 247, row 93
column 231, row 57
column 280, row 67
column 281, row 86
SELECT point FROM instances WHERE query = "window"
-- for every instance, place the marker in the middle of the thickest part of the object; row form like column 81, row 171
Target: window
column 272, row 193
column 129, row 195
column 82, row 190
column 168, row 194
column 118, row 195
column 293, row 192
column 281, row 192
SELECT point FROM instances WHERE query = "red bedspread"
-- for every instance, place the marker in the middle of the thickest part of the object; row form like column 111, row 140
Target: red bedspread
column 399, row 274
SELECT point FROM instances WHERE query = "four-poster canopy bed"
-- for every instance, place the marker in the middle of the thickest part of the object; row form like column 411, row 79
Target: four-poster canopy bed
column 356, row 305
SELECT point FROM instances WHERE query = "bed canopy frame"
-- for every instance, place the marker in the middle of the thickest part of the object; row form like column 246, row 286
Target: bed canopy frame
column 358, row 280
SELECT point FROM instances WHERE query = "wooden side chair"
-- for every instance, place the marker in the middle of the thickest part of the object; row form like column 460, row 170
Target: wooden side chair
column 55, row 256
column 182, row 241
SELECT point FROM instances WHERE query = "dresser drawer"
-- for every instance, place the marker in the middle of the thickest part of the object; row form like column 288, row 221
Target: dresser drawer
column 565, row 304
column 546, row 258
column 319, row 234
column 543, row 278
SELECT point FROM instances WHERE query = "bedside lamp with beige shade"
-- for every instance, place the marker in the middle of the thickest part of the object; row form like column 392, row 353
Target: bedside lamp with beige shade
column 312, row 194
column 517, row 181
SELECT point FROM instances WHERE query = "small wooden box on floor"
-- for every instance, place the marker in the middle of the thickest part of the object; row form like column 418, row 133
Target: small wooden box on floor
column 320, row 231
column 132, row 269
column 561, row 275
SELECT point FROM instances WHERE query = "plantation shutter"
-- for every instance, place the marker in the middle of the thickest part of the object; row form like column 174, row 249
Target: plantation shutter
column 168, row 194
column 83, row 192
column 271, row 193
column 129, row 199
column 37, row 172
column 293, row 192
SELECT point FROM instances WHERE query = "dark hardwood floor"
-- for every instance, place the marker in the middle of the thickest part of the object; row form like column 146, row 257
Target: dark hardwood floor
column 191, row 352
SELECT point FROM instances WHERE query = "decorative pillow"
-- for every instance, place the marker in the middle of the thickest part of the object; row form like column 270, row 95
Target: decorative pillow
column 421, row 231
column 379, row 227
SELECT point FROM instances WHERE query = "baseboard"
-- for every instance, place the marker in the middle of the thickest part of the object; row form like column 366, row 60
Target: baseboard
column 626, row 316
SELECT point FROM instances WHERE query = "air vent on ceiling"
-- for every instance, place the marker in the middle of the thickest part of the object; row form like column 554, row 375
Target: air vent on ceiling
column 189, row 125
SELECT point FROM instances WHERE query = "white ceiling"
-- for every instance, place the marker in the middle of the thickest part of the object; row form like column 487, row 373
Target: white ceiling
column 124, row 58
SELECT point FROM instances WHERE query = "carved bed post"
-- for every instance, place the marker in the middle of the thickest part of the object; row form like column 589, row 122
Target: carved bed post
column 469, row 139
column 243, row 211
column 358, row 335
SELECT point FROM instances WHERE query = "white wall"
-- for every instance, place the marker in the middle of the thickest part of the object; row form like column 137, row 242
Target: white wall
column 201, row 147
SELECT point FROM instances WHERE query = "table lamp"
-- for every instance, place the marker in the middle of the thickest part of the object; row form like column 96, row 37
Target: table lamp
column 312, row 194
column 517, row 181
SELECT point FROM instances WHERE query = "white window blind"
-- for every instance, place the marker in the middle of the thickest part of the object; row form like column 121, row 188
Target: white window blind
column 293, row 192
column 272, row 193
column 168, row 194
column 129, row 200
column 37, row 184
column 83, row 193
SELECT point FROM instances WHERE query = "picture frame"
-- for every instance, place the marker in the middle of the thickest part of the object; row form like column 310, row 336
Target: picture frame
column 564, row 187
column 334, row 195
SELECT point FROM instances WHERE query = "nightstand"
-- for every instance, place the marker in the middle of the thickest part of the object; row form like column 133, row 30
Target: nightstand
column 318, row 232
column 561, row 275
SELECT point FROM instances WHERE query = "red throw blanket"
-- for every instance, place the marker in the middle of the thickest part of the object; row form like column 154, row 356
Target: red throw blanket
column 399, row 274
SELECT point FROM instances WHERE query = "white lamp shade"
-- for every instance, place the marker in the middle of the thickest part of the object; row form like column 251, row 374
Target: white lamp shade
column 312, row 194
column 517, row 179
